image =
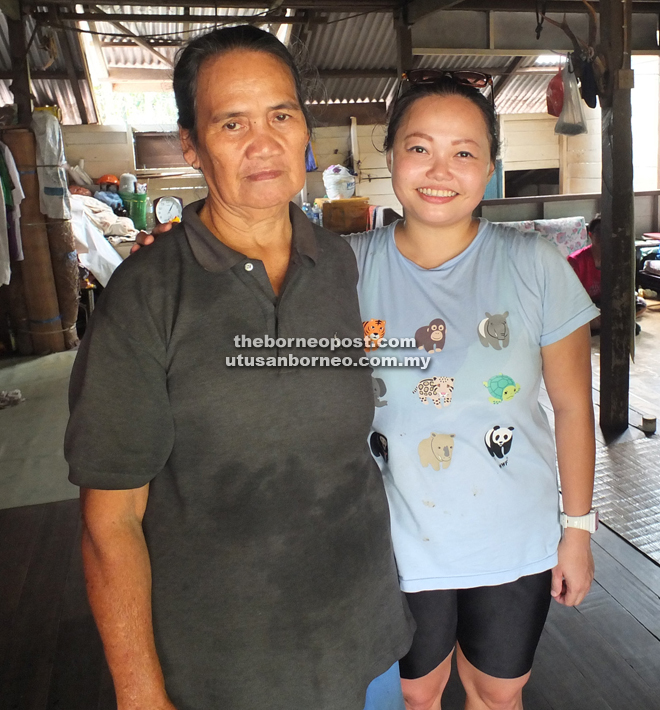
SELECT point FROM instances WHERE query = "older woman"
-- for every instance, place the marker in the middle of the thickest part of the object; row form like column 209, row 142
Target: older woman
column 236, row 542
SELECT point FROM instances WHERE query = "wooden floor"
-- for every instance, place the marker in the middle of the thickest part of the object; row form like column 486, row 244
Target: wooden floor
column 603, row 656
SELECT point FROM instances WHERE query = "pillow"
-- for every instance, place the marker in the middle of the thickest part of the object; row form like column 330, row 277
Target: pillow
column 522, row 226
column 567, row 233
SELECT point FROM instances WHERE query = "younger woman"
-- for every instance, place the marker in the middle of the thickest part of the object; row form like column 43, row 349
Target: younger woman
column 465, row 449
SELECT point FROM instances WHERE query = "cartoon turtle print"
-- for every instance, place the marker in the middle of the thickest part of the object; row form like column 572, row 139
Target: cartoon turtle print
column 501, row 388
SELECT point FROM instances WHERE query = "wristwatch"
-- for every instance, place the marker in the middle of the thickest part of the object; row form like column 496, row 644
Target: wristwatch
column 582, row 522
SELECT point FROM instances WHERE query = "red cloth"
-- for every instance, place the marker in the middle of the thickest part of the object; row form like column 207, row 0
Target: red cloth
column 584, row 266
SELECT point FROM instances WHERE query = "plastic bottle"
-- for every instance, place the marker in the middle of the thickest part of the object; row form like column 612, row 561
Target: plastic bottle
column 151, row 221
column 317, row 215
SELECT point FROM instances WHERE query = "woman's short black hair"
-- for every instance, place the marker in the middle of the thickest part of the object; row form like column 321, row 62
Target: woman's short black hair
column 594, row 224
column 191, row 58
column 443, row 87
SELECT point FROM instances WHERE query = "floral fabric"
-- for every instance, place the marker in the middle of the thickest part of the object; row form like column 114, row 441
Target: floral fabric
column 568, row 234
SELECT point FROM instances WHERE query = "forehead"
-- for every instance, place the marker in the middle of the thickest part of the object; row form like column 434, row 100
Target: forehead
column 244, row 75
column 441, row 117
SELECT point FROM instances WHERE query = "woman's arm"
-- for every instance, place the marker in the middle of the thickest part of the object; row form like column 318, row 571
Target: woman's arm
column 567, row 375
column 118, row 577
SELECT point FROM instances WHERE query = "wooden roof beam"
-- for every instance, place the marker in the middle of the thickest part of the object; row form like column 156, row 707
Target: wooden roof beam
column 182, row 19
column 417, row 9
column 508, row 75
column 351, row 6
column 104, row 17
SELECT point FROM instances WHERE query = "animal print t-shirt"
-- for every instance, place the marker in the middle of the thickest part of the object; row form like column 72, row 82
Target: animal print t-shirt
column 465, row 449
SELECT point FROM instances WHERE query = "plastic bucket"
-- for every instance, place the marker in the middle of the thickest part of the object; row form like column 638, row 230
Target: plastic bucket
column 136, row 204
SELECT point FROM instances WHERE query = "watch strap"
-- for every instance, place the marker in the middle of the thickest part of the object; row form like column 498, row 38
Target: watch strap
column 587, row 522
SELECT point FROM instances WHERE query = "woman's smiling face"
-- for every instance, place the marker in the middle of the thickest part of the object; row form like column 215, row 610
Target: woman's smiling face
column 440, row 161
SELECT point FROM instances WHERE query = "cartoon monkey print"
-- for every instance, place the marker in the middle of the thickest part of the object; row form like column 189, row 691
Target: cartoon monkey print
column 431, row 337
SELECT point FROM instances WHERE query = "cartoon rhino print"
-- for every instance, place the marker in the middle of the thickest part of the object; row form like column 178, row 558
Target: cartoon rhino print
column 436, row 450
column 494, row 330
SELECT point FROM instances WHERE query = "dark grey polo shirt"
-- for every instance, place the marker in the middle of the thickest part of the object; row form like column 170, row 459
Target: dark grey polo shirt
column 274, row 583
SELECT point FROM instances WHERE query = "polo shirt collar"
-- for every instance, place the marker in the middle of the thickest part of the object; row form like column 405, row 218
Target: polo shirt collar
column 214, row 256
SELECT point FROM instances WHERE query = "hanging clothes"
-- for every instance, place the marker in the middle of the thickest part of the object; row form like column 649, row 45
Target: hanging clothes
column 54, row 199
column 5, row 267
column 14, row 219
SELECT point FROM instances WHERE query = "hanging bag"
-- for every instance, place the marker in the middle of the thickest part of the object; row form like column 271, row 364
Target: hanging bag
column 555, row 94
column 572, row 121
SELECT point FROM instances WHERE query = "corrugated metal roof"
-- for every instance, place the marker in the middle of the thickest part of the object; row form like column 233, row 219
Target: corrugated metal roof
column 58, row 92
column 350, row 42
column 525, row 94
column 126, row 56
column 49, row 91
column 355, row 89
column 345, row 42
column 176, row 29
column 38, row 56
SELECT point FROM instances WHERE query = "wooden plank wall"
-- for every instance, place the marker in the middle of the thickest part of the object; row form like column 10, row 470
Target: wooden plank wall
column 581, row 158
column 529, row 142
column 332, row 147
column 105, row 149
column 374, row 176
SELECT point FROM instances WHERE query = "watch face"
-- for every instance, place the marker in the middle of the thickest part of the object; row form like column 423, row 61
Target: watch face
column 167, row 209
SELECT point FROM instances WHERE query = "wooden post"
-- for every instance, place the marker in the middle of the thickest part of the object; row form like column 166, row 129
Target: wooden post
column 64, row 259
column 617, row 211
column 404, row 53
column 20, row 85
column 37, row 269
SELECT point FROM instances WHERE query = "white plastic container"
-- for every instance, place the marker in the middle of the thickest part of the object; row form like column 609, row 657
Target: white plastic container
column 339, row 183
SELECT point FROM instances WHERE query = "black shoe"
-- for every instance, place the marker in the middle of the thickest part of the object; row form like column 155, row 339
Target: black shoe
column 638, row 328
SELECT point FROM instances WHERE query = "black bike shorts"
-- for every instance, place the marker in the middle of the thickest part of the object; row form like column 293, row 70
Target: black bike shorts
column 498, row 628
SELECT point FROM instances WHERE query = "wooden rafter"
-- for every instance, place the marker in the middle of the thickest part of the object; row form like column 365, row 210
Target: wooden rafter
column 509, row 73
column 417, row 9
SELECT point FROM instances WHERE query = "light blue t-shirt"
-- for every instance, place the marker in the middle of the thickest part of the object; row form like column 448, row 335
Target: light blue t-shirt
column 466, row 451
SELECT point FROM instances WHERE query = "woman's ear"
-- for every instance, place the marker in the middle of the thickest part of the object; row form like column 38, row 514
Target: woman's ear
column 188, row 148
column 389, row 159
column 491, row 169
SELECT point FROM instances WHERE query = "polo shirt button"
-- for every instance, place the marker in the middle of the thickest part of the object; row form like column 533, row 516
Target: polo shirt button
column 249, row 266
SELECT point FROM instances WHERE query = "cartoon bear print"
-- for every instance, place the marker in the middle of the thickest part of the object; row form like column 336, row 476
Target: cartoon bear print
column 498, row 441
column 431, row 337
column 437, row 450
column 494, row 330
column 374, row 332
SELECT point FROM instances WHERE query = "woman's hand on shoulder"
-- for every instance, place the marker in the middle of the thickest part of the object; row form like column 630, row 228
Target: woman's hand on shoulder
column 143, row 239
column 574, row 573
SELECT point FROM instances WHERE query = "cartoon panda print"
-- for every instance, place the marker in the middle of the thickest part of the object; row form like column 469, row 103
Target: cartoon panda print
column 498, row 441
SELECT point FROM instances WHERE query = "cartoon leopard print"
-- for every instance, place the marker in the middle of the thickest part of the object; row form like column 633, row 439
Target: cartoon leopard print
column 437, row 389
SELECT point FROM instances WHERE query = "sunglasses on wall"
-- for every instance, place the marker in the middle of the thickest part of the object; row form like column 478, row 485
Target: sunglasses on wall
column 475, row 79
